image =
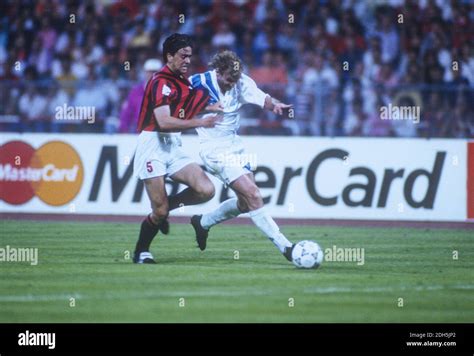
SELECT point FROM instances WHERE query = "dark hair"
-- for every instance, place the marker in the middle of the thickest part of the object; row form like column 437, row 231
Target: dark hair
column 174, row 43
column 227, row 61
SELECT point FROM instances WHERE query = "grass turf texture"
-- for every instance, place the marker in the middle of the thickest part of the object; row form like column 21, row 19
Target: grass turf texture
column 86, row 261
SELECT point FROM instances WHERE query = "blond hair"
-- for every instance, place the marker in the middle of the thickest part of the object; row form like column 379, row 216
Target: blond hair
column 227, row 61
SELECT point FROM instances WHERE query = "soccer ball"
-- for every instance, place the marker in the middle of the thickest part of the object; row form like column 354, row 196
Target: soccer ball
column 307, row 254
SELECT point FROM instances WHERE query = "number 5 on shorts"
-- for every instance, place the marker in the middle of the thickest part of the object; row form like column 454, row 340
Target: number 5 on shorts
column 149, row 167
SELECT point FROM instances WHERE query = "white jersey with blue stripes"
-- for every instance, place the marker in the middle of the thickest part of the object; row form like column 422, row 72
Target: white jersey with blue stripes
column 245, row 91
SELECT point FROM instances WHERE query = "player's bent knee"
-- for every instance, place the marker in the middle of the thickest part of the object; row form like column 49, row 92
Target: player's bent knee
column 160, row 213
column 206, row 191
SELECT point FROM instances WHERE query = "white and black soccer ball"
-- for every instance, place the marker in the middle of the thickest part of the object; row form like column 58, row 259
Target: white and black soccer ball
column 307, row 254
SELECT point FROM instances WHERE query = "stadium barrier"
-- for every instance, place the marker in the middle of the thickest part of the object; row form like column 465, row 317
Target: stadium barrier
column 300, row 177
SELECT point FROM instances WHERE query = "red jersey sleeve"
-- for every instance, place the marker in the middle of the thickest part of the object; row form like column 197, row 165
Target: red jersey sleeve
column 162, row 93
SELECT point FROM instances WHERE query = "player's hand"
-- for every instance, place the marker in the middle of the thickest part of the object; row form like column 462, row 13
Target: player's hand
column 279, row 107
column 211, row 120
column 215, row 107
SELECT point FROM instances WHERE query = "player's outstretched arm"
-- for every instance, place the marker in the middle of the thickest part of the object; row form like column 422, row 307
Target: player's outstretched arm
column 275, row 105
column 168, row 123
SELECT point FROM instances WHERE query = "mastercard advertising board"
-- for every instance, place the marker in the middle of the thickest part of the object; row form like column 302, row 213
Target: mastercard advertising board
column 320, row 178
column 53, row 172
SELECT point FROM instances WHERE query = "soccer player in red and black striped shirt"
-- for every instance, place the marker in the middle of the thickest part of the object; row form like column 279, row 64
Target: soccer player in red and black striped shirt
column 168, row 107
column 167, row 89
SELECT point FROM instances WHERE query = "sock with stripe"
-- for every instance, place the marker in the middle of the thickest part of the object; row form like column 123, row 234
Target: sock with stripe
column 148, row 232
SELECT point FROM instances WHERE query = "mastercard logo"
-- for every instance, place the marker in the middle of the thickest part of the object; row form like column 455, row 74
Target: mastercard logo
column 53, row 172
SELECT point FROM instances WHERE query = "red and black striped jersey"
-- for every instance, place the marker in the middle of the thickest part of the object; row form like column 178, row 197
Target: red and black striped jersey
column 168, row 88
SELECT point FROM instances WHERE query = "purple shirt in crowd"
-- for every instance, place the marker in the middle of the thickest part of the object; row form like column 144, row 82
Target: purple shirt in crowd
column 131, row 109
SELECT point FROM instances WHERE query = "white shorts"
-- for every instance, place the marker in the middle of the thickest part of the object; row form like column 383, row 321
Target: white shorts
column 225, row 158
column 159, row 154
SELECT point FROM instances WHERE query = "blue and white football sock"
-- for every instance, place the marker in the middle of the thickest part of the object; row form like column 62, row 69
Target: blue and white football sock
column 226, row 211
column 267, row 225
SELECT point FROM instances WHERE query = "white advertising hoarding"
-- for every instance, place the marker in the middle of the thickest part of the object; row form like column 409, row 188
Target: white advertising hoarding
column 320, row 178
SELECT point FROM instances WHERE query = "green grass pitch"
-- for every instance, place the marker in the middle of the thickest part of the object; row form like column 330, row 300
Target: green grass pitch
column 87, row 262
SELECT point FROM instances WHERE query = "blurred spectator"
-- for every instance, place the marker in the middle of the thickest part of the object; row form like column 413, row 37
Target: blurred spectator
column 141, row 38
column 375, row 126
column 131, row 107
column 47, row 35
column 329, row 125
column 389, row 40
column 372, row 59
column 303, row 104
column 286, row 39
column 430, row 52
column 406, row 126
column 57, row 98
column 385, row 77
column 271, row 72
column 355, row 123
column 224, row 38
column 461, row 121
column 93, row 53
column 66, row 78
column 93, row 96
column 319, row 73
column 32, row 107
column 266, row 7
column 434, row 115
column 350, row 57
column 263, row 41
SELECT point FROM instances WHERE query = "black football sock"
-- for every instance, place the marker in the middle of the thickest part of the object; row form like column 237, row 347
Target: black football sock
column 148, row 231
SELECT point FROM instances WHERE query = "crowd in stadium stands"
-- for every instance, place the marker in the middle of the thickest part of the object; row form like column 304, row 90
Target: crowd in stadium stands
column 338, row 61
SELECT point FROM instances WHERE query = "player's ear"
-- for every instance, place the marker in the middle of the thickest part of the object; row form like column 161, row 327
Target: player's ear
column 169, row 57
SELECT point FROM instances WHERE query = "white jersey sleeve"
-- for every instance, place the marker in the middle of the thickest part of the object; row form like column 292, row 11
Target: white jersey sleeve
column 250, row 93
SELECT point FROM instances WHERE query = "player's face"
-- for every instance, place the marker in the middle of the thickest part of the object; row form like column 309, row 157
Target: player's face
column 179, row 63
column 225, row 81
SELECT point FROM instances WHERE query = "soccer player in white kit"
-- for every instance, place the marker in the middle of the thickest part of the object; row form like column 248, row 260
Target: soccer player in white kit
column 221, row 147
